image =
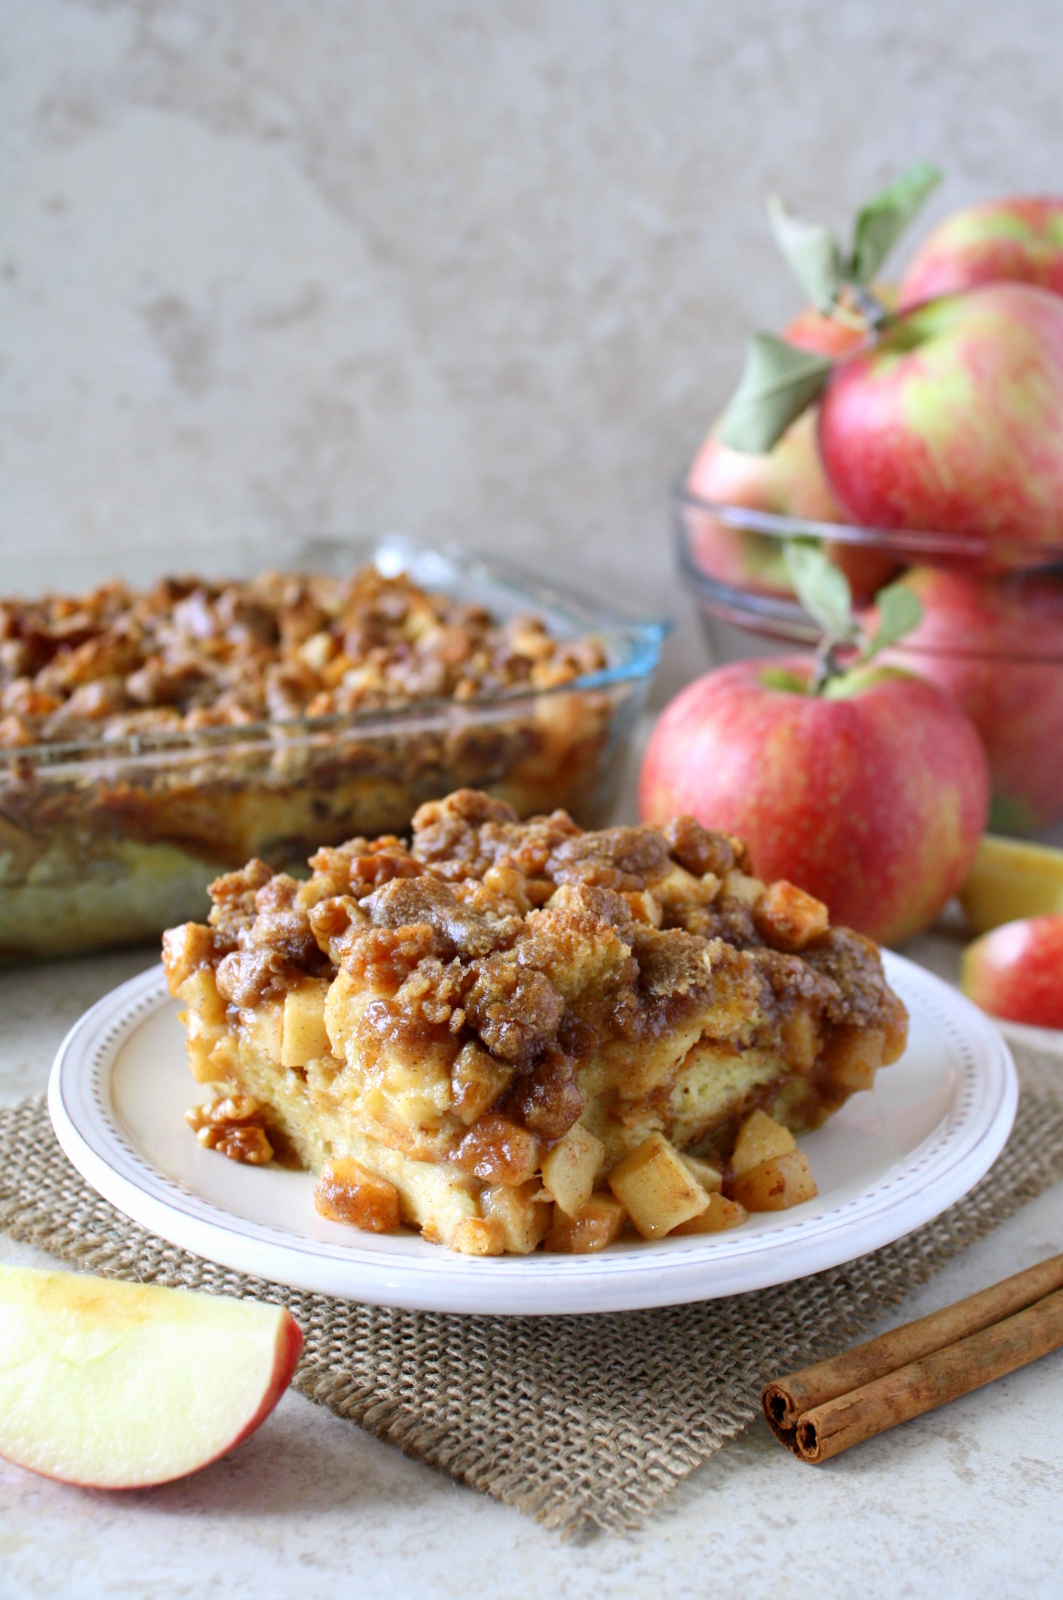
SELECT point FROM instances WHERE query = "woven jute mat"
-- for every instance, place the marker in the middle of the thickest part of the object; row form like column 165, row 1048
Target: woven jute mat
column 575, row 1420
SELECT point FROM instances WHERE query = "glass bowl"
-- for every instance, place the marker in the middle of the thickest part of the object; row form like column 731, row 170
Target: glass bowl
column 110, row 842
column 992, row 639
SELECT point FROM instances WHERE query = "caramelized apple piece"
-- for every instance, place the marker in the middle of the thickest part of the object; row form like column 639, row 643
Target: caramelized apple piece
column 522, row 1213
column 597, row 1223
column 776, row 1184
column 788, row 918
column 348, row 1192
column 570, row 1168
column 759, row 1137
column 709, row 1176
column 655, row 1188
column 720, row 1213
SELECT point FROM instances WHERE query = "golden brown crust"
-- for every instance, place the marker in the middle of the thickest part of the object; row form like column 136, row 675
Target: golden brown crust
column 188, row 655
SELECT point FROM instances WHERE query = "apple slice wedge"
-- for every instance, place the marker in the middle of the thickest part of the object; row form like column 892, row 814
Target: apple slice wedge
column 121, row 1385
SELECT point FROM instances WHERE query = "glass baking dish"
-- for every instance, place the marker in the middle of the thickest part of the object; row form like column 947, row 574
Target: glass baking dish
column 107, row 843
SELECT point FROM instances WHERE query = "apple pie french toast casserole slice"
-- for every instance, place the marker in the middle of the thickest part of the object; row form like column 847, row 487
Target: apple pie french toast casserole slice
column 508, row 1033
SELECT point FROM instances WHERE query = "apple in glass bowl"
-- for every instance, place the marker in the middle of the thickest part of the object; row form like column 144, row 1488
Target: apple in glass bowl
column 1018, row 239
column 952, row 423
column 995, row 644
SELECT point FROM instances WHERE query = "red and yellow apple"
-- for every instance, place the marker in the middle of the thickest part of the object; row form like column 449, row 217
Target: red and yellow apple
column 1016, row 972
column 871, row 796
column 953, row 421
column 787, row 481
column 1018, row 240
column 121, row 1385
column 996, row 645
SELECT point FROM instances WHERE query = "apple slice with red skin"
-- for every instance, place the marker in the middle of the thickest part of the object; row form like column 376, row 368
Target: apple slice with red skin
column 1016, row 971
column 122, row 1385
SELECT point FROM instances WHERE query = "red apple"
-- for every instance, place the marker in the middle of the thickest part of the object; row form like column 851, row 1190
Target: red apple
column 1019, row 240
column 996, row 645
column 1016, row 971
column 872, row 796
column 953, row 422
column 121, row 1385
column 787, row 481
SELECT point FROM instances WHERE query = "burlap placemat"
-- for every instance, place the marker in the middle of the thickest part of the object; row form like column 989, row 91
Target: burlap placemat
column 575, row 1420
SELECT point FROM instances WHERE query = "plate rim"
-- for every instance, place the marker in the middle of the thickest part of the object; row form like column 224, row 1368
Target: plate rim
column 959, row 1150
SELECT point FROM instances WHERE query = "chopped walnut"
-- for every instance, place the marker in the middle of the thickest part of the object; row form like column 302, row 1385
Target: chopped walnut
column 234, row 1127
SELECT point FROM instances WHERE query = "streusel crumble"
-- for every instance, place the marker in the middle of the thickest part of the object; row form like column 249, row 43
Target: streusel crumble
column 505, row 1031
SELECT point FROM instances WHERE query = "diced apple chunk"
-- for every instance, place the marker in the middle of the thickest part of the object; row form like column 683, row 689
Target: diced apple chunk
column 570, row 1168
column 789, row 918
column 776, row 1184
column 199, row 991
column 523, row 1214
column 348, row 1192
column 304, row 1036
column 708, row 1175
column 740, row 886
column 719, row 1214
column 122, row 1385
column 759, row 1137
column 596, row 1224
column 655, row 1188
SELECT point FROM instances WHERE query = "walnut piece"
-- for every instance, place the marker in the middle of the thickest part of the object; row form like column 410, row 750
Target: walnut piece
column 234, row 1127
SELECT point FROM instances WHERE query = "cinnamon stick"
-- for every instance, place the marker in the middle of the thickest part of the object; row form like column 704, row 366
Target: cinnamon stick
column 933, row 1381
column 787, row 1399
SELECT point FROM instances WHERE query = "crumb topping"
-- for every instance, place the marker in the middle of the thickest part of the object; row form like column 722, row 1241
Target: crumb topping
column 494, row 950
column 189, row 654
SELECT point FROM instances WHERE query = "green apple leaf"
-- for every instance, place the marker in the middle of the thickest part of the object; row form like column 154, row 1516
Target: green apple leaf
column 899, row 611
column 811, row 252
column 778, row 382
column 822, row 588
column 881, row 222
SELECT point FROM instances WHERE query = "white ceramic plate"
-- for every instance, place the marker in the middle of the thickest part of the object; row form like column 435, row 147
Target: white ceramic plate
column 888, row 1161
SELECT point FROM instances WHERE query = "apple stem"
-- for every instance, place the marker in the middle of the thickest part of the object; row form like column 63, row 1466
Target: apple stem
column 870, row 307
column 826, row 667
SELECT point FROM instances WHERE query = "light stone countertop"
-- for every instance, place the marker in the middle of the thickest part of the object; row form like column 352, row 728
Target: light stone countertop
column 962, row 1502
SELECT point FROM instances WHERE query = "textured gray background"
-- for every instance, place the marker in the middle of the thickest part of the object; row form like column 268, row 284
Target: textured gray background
column 478, row 271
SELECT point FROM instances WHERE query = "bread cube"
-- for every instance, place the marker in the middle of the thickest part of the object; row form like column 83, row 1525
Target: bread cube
column 348, row 1192
column 597, row 1223
column 303, row 1034
column 477, row 1236
column 523, row 1214
column 759, row 1137
column 655, row 1188
column 570, row 1168
column 720, row 1213
column 776, row 1184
